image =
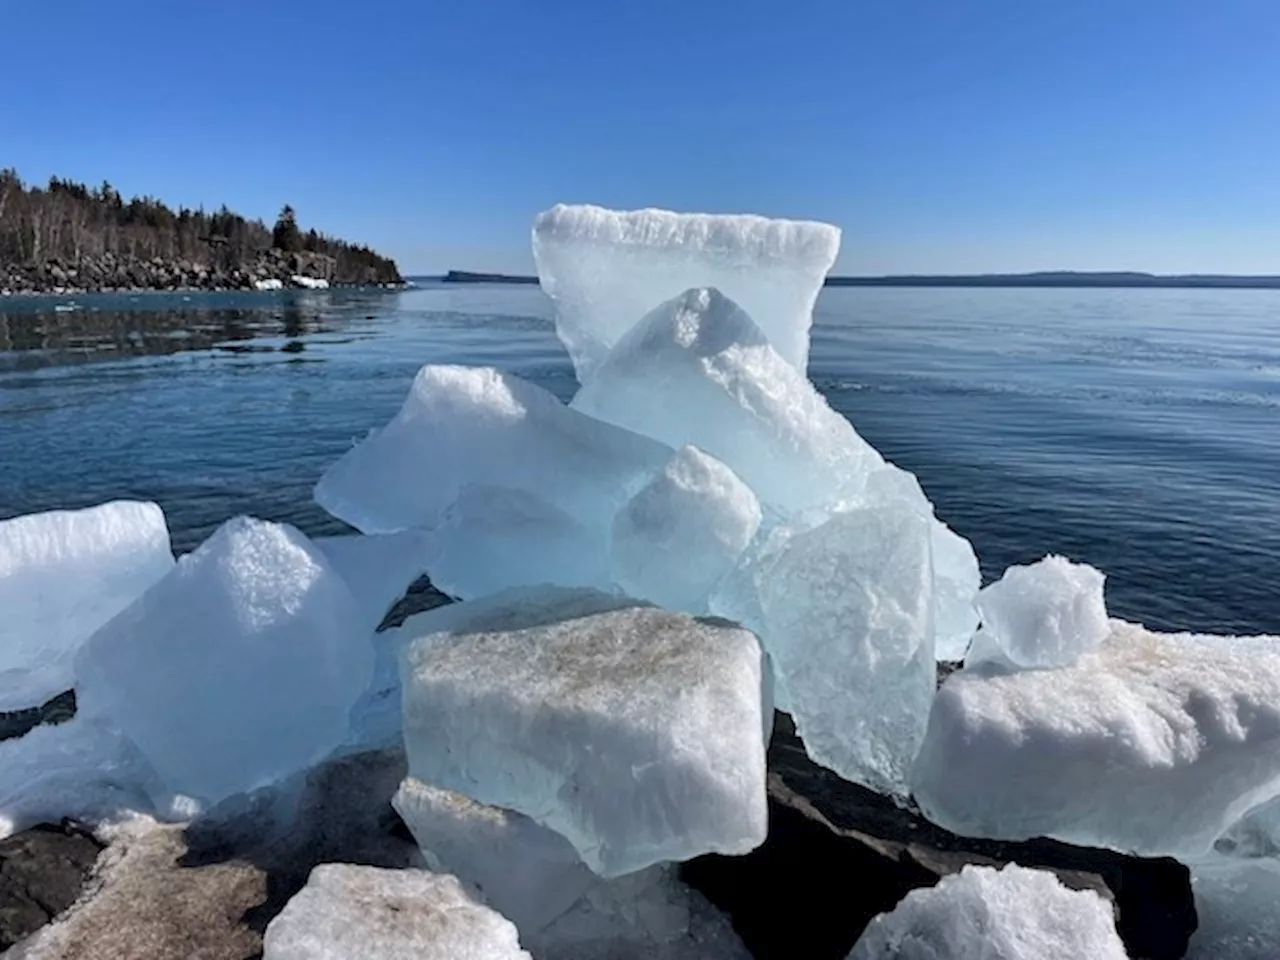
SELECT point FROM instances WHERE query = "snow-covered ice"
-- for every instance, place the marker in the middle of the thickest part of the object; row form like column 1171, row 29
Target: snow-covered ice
column 1045, row 614
column 605, row 269
column 1151, row 744
column 378, row 569
column 309, row 283
column 846, row 613
column 676, row 538
column 237, row 668
column 462, row 425
column 493, row 537
column 986, row 914
column 632, row 731
column 698, row 370
column 348, row 912
column 270, row 283
column 63, row 574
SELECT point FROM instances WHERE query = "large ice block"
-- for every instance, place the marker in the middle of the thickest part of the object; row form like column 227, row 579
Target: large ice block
column 63, row 574
column 846, row 613
column 1150, row 744
column 677, row 537
column 348, row 912
column 492, row 537
column 632, row 731
column 379, row 568
column 1045, row 614
column 462, row 425
column 986, row 914
column 698, row 370
column 236, row 669
column 605, row 269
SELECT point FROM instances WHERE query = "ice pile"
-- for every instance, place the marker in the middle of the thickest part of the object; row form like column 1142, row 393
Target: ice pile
column 1046, row 614
column 63, row 574
column 237, row 668
column 348, row 912
column 633, row 732
column 1152, row 744
column 986, row 914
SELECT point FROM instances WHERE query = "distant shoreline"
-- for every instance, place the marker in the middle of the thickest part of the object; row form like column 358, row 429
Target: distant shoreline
column 1056, row 279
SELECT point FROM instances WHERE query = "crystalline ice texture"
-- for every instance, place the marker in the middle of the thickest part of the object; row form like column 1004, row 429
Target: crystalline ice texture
column 463, row 425
column 347, row 912
column 986, row 914
column 1043, row 615
column 63, row 574
column 1151, row 744
column 677, row 537
column 379, row 568
column 605, row 269
column 236, row 669
column 632, row 731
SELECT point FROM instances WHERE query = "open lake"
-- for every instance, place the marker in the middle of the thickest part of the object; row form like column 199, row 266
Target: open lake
column 1137, row 430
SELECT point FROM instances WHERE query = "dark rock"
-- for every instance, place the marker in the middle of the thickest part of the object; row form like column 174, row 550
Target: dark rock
column 17, row 723
column 42, row 872
column 838, row 854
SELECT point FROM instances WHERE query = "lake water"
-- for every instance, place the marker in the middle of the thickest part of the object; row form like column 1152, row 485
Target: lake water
column 1138, row 430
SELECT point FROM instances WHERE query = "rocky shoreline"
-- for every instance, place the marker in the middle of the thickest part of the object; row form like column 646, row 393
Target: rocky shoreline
column 112, row 273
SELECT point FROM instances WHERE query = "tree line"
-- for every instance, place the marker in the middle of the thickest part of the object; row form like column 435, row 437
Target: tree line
column 69, row 222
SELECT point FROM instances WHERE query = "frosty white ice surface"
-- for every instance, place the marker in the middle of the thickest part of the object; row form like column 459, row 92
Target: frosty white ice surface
column 697, row 370
column 347, row 912
column 605, row 269
column 632, row 731
column 463, row 425
column 1151, row 744
column 493, row 537
column 1045, row 614
column 378, row 568
column 526, row 872
column 78, row 769
column 986, row 914
column 63, row 574
column 236, row 669
column 534, row 877
column 678, row 536
column 846, row 613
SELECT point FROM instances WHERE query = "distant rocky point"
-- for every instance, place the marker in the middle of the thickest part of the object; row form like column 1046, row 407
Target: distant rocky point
column 68, row 238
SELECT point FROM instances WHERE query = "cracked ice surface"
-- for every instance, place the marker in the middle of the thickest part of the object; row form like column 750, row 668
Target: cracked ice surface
column 633, row 732
column 605, row 269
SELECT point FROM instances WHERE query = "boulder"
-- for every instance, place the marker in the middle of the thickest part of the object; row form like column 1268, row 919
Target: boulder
column 838, row 854
column 42, row 872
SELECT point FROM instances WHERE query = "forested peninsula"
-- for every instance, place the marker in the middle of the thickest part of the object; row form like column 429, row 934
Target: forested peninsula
column 68, row 237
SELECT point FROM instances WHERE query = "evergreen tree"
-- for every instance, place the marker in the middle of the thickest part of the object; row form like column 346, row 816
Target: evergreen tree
column 286, row 234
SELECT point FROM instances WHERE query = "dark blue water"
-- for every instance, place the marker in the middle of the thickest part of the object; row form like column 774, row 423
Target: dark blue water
column 1138, row 430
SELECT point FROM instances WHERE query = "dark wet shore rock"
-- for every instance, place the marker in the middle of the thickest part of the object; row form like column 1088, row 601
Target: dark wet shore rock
column 838, row 854
column 42, row 872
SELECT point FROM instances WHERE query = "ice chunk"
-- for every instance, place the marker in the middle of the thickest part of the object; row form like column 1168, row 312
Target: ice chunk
column 632, row 731
column 683, row 532
column 526, row 872
column 78, row 769
column 956, row 580
column 533, row 876
column 271, row 283
column 347, row 912
column 1236, row 909
column 1043, row 615
column 63, row 574
column 463, row 425
column 846, row 613
column 379, row 569
column 492, row 538
column 697, row 370
column 605, row 269
column 236, row 669
column 986, row 914
column 1150, row 744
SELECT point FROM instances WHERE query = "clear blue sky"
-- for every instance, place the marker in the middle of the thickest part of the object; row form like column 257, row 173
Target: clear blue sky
column 941, row 135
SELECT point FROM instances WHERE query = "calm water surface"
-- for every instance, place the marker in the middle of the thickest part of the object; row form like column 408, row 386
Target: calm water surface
column 1138, row 430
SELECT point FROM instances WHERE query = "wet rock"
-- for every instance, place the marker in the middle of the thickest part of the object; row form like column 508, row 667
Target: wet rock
column 42, row 872
column 838, row 854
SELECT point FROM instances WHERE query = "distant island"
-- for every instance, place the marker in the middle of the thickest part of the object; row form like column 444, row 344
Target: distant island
column 66, row 237
column 1058, row 278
